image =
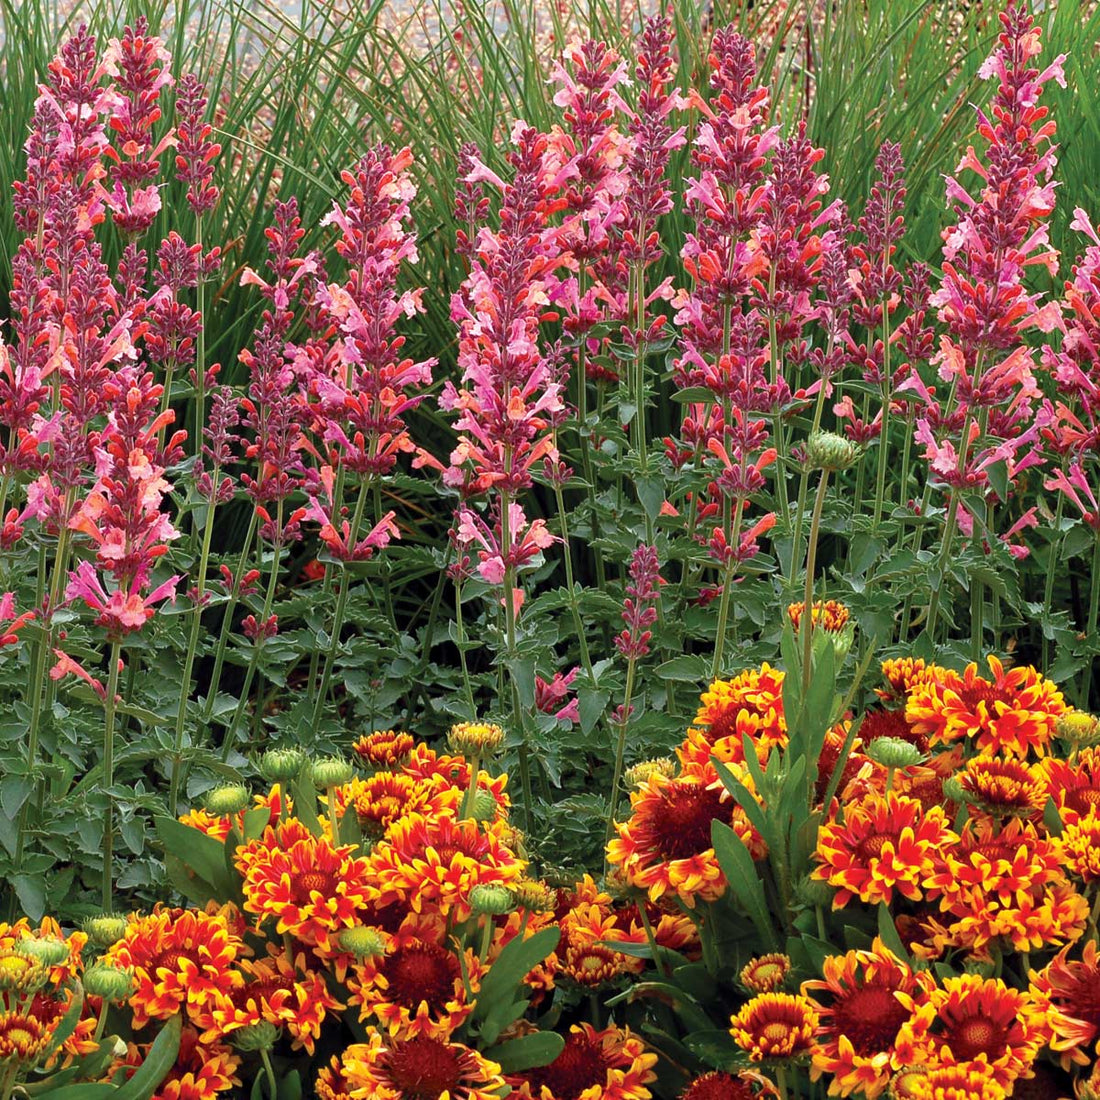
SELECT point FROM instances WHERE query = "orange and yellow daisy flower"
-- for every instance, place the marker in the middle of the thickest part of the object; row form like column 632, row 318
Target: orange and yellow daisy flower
column 201, row 1070
column 180, row 958
column 308, row 886
column 1070, row 988
column 1078, row 847
column 331, row 1084
column 902, row 674
column 412, row 1069
column 664, row 847
column 775, row 1027
column 611, row 1064
column 1013, row 714
column 1074, row 784
column 766, row 973
column 434, row 863
column 1003, row 786
column 750, row 705
column 1004, row 885
column 277, row 803
column 382, row 799
column 830, row 615
column 23, row 1038
column 860, row 1016
column 384, row 748
column 971, row 1019
column 886, row 844
column 417, row 987
column 274, row 990
column 716, row 1085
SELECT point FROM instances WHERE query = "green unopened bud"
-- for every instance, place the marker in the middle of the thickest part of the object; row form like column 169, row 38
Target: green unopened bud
column 47, row 950
column 112, row 983
column 22, row 973
column 258, row 1036
column 231, row 799
column 645, row 770
column 104, row 929
column 362, row 942
column 894, row 752
column 829, row 451
column 282, row 765
column 332, row 771
column 534, row 896
column 493, row 901
column 1078, row 729
column 815, row 892
column 485, row 806
column 954, row 791
column 478, row 739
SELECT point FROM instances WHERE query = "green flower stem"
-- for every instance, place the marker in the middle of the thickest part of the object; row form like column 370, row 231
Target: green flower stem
column 467, row 808
column 192, row 647
column 777, row 421
column 884, row 429
column 109, row 705
column 7, row 1081
column 727, row 592
column 781, row 1081
column 227, row 620
column 330, row 806
column 258, row 643
column 567, row 557
column 803, row 484
column 486, row 938
column 620, row 747
column 460, row 630
column 326, row 583
column 1091, row 625
column 269, row 1070
column 808, row 598
column 1048, row 583
column 338, row 615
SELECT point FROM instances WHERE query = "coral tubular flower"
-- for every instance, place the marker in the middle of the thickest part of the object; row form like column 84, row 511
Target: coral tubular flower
column 420, row 1068
column 1013, row 714
column 775, row 1027
column 1071, row 989
column 611, row 1064
column 971, row 1019
column 309, row 887
column 885, row 844
column 434, row 863
column 180, row 958
column 664, row 847
column 417, row 988
column 860, row 1018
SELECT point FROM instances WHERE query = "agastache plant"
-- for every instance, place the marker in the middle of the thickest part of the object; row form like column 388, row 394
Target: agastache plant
column 981, row 437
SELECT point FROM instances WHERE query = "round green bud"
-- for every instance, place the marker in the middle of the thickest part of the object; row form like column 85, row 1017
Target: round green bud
column 829, row 451
column 645, row 770
column 332, row 771
column 1078, row 728
column 492, row 901
column 22, row 973
column 47, row 950
column 363, row 942
column 231, row 799
column 282, row 765
column 258, row 1036
column 485, row 806
column 104, row 929
column 534, row 896
column 894, row 752
column 815, row 892
column 478, row 739
column 112, row 983
column 954, row 791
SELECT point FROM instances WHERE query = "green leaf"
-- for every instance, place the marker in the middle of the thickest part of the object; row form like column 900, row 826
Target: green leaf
column 159, row 1060
column 1052, row 819
column 31, row 892
column 591, row 704
column 716, row 1048
column 515, row 962
column 888, row 933
column 539, row 1048
column 744, row 882
column 651, row 492
column 202, row 853
column 14, row 790
column 691, row 668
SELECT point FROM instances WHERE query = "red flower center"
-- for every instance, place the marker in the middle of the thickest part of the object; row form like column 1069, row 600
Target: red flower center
column 1083, row 799
column 321, row 881
column 982, row 691
column 776, row 1033
column 1079, row 996
column 580, row 1065
column 880, row 722
column 169, row 960
column 977, row 1035
column 869, row 1017
column 421, row 972
column 724, row 724
column 423, row 1068
column 680, row 821
column 870, row 847
column 718, row 1086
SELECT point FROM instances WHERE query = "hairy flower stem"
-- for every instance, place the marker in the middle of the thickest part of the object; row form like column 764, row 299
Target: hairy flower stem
column 808, row 598
column 227, row 620
column 326, row 583
column 338, row 614
column 200, row 348
column 803, row 485
column 109, row 705
column 258, row 643
column 192, row 647
column 620, row 749
column 460, row 633
column 734, row 544
column 781, row 1081
column 510, row 655
column 567, row 557
column 269, row 1070
column 1048, row 584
